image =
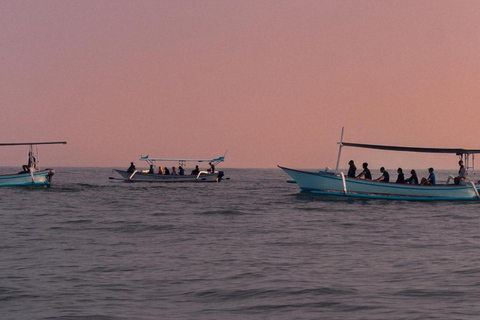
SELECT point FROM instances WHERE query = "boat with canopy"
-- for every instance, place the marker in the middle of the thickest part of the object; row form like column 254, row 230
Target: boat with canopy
column 335, row 182
column 153, row 175
column 31, row 174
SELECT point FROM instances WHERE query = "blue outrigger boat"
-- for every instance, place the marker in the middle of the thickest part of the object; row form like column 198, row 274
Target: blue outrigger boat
column 336, row 183
column 31, row 175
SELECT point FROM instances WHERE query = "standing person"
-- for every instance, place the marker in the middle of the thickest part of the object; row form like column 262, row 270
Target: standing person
column 174, row 172
column 385, row 177
column 401, row 176
column 462, row 173
column 413, row 178
column 431, row 180
column 212, row 167
column 132, row 168
column 366, row 172
column 181, row 171
column 352, row 169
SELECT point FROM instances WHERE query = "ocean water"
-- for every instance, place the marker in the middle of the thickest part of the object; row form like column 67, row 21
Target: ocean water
column 252, row 247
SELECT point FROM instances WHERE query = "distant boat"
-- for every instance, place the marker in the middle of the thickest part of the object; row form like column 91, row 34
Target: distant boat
column 336, row 183
column 147, row 176
column 31, row 175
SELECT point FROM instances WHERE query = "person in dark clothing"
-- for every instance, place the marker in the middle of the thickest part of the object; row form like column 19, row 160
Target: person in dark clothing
column 366, row 172
column 212, row 167
column 132, row 168
column 401, row 176
column 413, row 178
column 385, row 177
column 151, row 169
column 181, row 172
column 195, row 171
column 167, row 172
column 352, row 170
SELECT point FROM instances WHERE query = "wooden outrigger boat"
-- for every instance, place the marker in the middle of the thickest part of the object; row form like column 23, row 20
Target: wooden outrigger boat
column 145, row 176
column 31, row 174
column 337, row 183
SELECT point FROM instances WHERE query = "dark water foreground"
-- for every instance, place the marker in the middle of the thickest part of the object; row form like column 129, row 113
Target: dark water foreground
column 249, row 248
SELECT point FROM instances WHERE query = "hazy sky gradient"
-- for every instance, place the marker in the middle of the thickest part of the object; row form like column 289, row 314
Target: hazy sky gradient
column 271, row 81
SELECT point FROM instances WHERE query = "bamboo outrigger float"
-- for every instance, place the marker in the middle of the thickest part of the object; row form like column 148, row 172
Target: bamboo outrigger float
column 31, row 175
column 336, row 183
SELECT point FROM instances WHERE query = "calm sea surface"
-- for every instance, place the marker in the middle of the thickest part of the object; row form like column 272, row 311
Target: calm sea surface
column 252, row 247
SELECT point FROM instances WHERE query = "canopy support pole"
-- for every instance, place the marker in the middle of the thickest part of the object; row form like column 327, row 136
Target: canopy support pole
column 340, row 145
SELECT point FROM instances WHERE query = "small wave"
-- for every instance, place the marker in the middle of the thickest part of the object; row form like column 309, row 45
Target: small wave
column 222, row 212
column 429, row 293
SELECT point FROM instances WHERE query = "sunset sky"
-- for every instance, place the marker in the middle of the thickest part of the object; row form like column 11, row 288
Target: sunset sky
column 271, row 81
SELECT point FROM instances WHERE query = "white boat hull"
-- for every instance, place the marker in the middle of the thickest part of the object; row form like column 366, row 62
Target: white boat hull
column 328, row 183
column 43, row 178
column 149, row 177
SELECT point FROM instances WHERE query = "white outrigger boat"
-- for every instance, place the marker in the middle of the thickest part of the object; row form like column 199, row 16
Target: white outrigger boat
column 32, row 174
column 334, row 182
column 145, row 176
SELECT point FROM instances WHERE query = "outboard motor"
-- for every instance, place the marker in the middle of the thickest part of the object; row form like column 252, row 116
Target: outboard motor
column 220, row 176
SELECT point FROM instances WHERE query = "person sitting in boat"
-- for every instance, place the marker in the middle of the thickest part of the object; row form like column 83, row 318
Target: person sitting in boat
column 181, row 171
column 195, row 171
column 132, row 168
column 401, row 176
column 385, row 177
column 352, row 169
column 160, row 170
column 174, row 172
column 462, row 173
column 366, row 172
column 151, row 171
column 430, row 181
column 167, row 172
column 413, row 178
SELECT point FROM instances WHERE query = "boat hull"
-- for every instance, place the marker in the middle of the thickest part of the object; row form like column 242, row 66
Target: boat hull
column 330, row 184
column 40, row 178
column 148, row 177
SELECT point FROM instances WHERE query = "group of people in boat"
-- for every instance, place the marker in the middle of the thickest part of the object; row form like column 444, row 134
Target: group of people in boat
column 413, row 179
column 166, row 171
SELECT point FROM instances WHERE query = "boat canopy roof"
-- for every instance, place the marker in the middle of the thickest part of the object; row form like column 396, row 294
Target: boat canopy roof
column 31, row 143
column 147, row 158
column 456, row 151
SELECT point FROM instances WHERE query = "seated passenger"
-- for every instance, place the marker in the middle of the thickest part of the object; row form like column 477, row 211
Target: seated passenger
column 462, row 173
column 195, row 171
column 160, row 170
column 150, row 171
column 385, row 177
column 352, row 169
column 174, row 172
column 430, row 181
column 132, row 168
column 401, row 176
column 413, row 178
column 167, row 172
column 366, row 172
column 181, row 171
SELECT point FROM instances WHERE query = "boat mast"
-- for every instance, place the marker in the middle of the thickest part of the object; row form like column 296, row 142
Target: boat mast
column 340, row 145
